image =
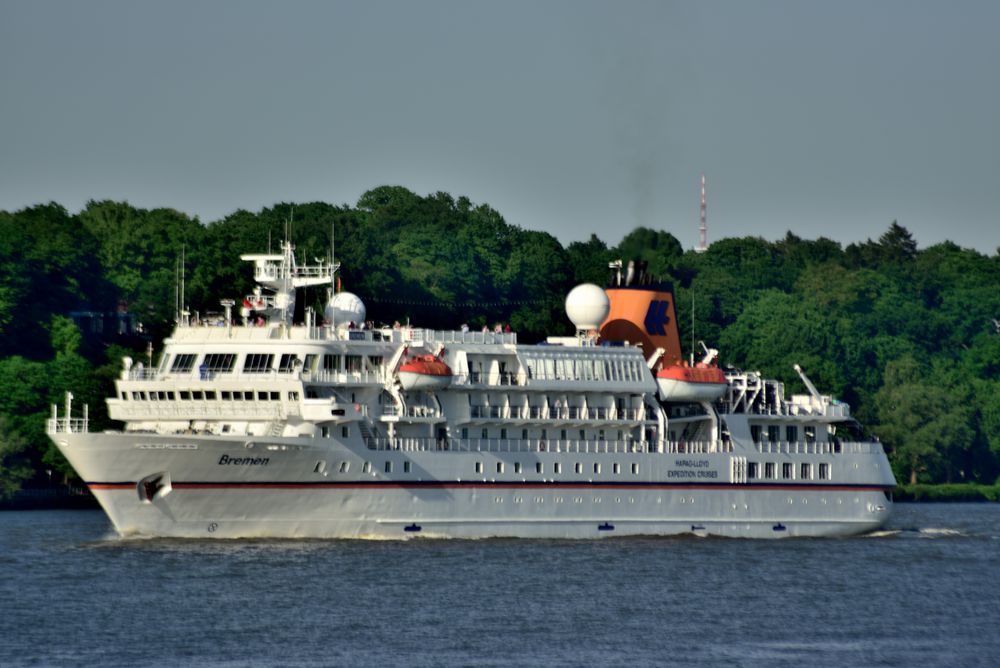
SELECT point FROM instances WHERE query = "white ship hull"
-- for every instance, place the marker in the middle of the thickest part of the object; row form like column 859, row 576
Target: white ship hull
column 205, row 494
column 277, row 430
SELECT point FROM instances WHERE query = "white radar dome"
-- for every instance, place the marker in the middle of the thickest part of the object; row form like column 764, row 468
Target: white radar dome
column 587, row 306
column 345, row 308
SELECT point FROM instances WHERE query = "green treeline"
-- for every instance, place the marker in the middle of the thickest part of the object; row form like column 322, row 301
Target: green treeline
column 909, row 337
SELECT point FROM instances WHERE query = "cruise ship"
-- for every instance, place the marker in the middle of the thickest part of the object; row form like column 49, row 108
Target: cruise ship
column 253, row 425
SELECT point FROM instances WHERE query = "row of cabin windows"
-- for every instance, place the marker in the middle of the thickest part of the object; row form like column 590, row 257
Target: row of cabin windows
column 559, row 368
column 539, row 467
column 805, row 471
column 774, row 433
column 345, row 467
column 564, row 434
column 616, row 468
column 207, row 395
column 264, row 363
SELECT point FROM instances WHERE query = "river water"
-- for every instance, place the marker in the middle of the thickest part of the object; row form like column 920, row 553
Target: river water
column 925, row 592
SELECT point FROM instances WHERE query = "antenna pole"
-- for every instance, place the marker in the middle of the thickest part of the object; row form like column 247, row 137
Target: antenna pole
column 333, row 278
column 183, row 271
column 177, row 310
column 692, row 325
column 702, row 229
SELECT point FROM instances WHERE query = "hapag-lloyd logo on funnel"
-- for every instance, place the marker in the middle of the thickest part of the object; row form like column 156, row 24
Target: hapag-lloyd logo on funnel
column 657, row 318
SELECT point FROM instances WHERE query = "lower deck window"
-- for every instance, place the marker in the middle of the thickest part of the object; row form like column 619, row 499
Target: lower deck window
column 824, row 471
column 752, row 472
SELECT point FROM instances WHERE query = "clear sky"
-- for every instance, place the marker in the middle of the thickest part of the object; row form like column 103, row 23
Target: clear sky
column 828, row 118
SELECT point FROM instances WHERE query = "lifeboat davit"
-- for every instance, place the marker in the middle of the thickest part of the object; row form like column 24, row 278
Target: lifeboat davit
column 424, row 372
column 680, row 382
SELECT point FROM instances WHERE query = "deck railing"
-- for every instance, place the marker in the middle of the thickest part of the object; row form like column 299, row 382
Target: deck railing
column 67, row 425
column 820, row 448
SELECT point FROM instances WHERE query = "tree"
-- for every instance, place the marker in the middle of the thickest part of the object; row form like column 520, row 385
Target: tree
column 14, row 468
column 923, row 422
column 589, row 261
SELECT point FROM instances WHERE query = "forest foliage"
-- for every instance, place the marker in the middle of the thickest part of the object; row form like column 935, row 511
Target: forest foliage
column 909, row 337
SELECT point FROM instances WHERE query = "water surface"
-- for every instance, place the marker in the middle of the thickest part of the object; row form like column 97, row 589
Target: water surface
column 923, row 592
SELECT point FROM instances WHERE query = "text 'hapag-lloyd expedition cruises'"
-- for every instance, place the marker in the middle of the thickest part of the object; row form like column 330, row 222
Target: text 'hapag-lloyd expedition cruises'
column 329, row 429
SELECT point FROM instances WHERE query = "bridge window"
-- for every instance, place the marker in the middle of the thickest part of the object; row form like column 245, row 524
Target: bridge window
column 219, row 362
column 287, row 363
column 309, row 363
column 257, row 363
column 183, row 363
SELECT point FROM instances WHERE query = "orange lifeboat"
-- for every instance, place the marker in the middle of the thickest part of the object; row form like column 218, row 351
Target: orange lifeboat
column 424, row 372
column 680, row 382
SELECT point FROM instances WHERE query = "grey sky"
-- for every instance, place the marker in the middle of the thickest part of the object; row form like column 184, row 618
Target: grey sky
column 826, row 118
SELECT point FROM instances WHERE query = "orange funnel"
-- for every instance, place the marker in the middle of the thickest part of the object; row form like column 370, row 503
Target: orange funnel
column 644, row 315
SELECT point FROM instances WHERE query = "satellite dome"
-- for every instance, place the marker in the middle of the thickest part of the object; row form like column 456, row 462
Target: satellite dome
column 587, row 306
column 345, row 308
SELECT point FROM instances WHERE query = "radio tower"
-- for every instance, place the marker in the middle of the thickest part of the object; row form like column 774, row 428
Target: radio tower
column 702, row 230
